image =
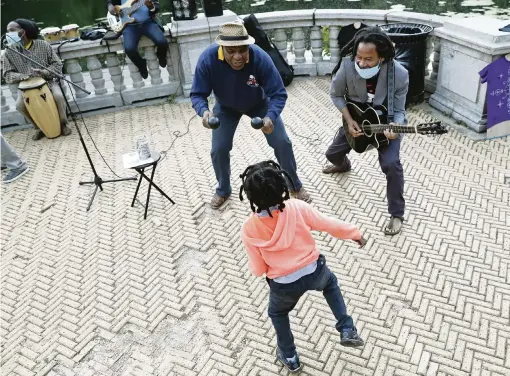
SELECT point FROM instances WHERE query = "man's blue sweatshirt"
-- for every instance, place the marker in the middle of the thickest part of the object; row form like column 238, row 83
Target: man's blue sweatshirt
column 243, row 90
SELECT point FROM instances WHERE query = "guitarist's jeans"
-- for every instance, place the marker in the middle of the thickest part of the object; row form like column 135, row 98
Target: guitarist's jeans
column 222, row 141
column 389, row 160
column 132, row 35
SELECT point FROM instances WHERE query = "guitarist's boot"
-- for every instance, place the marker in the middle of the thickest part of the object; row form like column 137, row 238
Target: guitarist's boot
column 334, row 169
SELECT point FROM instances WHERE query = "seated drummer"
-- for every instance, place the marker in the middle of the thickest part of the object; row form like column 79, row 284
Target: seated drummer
column 24, row 33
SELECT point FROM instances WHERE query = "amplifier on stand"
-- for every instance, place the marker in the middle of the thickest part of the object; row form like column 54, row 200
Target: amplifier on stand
column 213, row 8
column 184, row 10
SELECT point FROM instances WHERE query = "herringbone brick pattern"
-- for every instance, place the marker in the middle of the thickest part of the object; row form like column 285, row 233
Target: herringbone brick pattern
column 107, row 293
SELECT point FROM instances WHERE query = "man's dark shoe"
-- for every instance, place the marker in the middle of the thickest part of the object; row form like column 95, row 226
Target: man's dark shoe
column 292, row 365
column 144, row 72
column 65, row 130
column 350, row 338
column 38, row 135
column 332, row 169
column 162, row 61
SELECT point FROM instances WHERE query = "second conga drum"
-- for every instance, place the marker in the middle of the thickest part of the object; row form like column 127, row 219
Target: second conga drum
column 41, row 105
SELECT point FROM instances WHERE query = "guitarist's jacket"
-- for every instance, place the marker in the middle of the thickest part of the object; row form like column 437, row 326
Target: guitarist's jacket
column 348, row 86
column 119, row 2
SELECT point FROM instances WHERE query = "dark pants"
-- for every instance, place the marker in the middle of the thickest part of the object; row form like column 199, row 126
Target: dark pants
column 222, row 140
column 132, row 35
column 284, row 297
column 389, row 160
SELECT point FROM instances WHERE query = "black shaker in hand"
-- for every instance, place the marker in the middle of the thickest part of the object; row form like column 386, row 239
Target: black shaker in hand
column 257, row 123
column 213, row 122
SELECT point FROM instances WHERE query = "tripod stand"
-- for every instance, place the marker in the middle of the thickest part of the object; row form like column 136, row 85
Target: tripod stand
column 98, row 181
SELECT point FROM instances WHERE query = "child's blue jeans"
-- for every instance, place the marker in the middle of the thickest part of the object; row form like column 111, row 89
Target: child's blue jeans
column 284, row 297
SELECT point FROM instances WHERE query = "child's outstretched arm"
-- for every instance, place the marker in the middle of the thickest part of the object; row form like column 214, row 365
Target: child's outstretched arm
column 256, row 263
column 320, row 222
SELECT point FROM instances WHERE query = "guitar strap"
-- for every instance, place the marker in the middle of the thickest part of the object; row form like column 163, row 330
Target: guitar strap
column 391, row 90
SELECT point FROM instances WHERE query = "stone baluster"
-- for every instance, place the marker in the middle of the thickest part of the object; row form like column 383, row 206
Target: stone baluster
column 112, row 60
column 334, row 49
column 316, row 43
column 170, row 66
column 96, row 74
column 5, row 106
column 298, row 41
column 135, row 74
column 435, row 58
column 14, row 91
column 64, row 90
column 73, row 68
column 280, row 41
column 153, row 65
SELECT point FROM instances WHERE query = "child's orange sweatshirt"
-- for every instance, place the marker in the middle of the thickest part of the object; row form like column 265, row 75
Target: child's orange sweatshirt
column 283, row 244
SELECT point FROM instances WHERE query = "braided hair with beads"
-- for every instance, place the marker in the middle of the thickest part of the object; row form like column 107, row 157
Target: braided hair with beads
column 265, row 185
column 375, row 35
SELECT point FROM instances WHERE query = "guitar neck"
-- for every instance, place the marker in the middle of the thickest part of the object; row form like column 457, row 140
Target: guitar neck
column 380, row 128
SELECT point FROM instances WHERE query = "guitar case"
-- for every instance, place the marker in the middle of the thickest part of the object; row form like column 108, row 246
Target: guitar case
column 255, row 30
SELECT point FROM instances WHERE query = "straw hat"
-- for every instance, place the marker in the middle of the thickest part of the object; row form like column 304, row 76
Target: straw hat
column 233, row 34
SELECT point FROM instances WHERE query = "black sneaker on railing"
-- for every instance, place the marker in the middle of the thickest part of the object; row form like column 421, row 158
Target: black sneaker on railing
column 350, row 338
column 291, row 364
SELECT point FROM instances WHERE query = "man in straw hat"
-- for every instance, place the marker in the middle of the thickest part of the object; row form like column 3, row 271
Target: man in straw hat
column 245, row 81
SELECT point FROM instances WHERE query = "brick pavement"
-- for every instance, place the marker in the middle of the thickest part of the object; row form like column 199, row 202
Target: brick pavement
column 108, row 293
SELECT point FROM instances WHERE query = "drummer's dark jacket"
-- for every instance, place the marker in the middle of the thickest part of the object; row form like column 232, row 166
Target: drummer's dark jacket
column 118, row 2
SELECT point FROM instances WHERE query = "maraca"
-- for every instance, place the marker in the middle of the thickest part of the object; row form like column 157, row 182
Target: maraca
column 257, row 123
column 213, row 122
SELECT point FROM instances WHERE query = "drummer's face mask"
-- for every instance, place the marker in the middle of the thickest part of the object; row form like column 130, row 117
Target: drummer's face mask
column 13, row 37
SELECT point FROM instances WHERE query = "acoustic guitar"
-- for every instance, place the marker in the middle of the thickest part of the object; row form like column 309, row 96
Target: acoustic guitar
column 372, row 121
column 125, row 11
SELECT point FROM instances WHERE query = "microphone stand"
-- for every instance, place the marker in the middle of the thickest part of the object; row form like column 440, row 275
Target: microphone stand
column 98, row 181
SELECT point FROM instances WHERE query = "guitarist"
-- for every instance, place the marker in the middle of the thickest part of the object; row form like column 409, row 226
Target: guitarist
column 361, row 77
column 145, row 24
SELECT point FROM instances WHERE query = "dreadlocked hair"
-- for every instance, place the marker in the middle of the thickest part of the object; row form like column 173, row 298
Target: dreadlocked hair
column 383, row 45
column 265, row 186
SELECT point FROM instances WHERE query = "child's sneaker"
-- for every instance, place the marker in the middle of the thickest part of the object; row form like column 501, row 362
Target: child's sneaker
column 292, row 364
column 350, row 338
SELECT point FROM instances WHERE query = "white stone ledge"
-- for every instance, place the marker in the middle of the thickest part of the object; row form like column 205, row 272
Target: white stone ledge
column 343, row 17
column 285, row 19
column 413, row 17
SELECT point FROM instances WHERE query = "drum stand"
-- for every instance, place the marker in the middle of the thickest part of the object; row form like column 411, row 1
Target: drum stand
column 98, row 181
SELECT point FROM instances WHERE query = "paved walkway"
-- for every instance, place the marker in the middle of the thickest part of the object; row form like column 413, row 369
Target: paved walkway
column 107, row 293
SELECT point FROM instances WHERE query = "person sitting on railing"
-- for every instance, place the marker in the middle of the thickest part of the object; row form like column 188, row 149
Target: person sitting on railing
column 245, row 81
column 144, row 24
column 361, row 76
column 22, row 34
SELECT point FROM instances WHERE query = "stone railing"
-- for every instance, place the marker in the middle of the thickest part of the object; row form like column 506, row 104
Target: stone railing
column 310, row 60
column 112, row 79
column 101, row 68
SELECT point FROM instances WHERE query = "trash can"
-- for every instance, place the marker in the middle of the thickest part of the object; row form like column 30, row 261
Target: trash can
column 410, row 47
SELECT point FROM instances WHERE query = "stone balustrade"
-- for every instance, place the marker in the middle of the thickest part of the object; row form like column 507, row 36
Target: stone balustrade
column 114, row 81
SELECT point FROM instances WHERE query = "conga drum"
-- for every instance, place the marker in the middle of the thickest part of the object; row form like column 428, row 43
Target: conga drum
column 41, row 105
column 52, row 35
column 71, row 31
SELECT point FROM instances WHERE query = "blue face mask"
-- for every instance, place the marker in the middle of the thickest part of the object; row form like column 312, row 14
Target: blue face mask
column 13, row 37
column 367, row 73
